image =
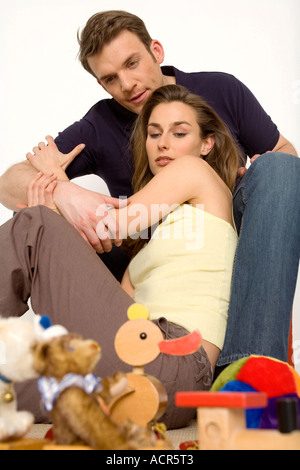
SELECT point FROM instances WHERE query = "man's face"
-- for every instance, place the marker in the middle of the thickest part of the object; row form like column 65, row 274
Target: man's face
column 127, row 71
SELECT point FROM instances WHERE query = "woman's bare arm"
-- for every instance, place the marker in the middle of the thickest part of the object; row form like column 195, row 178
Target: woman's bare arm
column 188, row 179
column 126, row 283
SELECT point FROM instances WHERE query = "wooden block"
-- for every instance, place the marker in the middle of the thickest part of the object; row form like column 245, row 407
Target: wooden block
column 222, row 422
column 221, row 400
column 225, row 429
column 217, row 426
column 266, row 440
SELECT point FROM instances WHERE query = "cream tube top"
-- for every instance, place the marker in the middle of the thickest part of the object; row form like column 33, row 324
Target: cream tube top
column 184, row 273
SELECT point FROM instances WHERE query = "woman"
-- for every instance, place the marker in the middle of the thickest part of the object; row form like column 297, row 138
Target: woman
column 186, row 163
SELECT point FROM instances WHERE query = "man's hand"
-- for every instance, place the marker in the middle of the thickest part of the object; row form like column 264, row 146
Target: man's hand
column 283, row 146
column 48, row 159
column 79, row 207
column 242, row 170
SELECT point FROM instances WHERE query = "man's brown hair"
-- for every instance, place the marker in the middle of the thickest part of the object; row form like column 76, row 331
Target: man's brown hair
column 105, row 26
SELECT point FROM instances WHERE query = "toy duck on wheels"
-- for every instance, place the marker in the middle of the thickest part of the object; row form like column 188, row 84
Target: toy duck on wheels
column 139, row 342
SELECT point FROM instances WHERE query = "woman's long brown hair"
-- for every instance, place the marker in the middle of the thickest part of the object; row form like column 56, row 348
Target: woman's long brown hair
column 223, row 158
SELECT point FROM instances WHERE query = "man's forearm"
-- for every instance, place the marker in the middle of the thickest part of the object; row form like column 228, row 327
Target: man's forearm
column 13, row 184
column 285, row 146
column 288, row 148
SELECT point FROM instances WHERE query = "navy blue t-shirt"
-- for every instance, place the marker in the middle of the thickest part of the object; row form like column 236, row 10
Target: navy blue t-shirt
column 106, row 128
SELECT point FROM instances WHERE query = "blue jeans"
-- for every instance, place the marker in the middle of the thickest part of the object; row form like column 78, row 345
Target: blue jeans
column 267, row 215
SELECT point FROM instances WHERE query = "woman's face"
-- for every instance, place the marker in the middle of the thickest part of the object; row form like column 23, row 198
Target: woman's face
column 173, row 132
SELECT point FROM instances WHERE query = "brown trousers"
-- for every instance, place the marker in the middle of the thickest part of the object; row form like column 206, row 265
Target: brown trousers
column 43, row 257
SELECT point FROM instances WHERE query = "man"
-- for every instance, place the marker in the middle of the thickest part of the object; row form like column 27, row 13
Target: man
column 117, row 50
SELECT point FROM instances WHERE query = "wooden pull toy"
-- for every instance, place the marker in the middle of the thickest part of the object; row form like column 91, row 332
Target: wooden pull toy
column 139, row 342
column 222, row 422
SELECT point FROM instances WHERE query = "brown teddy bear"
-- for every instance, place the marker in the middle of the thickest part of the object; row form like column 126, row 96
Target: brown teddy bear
column 71, row 395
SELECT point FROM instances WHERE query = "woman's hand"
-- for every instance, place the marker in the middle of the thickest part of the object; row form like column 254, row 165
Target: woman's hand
column 48, row 159
column 40, row 192
column 86, row 211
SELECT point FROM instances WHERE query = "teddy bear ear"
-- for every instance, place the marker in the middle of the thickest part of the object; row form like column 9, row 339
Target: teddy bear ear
column 40, row 357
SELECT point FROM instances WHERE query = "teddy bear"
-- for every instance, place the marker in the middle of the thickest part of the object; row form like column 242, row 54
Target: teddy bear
column 76, row 399
column 18, row 338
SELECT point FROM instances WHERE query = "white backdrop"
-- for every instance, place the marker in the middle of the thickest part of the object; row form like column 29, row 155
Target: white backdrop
column 43, row 87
